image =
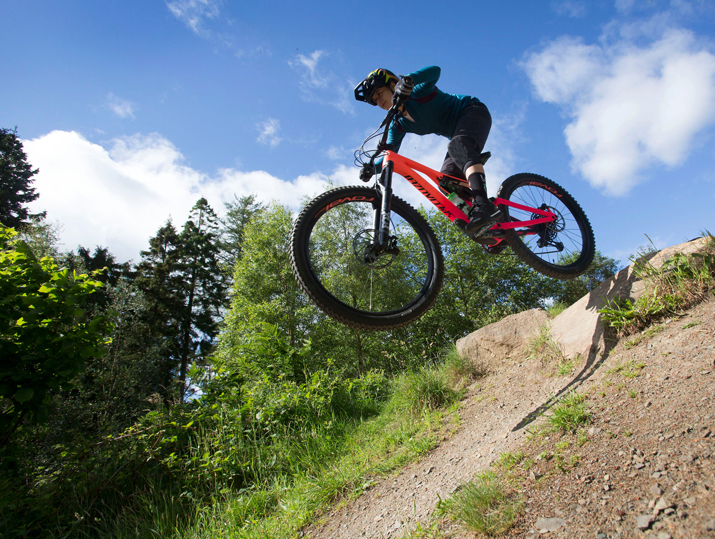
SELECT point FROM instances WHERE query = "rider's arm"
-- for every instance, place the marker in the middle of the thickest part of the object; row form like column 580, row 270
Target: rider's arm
column 393, row 142
column 425, row 80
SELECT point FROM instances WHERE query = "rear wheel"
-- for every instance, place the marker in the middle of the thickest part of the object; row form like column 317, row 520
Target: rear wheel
column 564, row 248
column 335, row 260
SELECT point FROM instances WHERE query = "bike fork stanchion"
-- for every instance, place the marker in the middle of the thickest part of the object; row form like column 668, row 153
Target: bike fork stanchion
column 383, row 234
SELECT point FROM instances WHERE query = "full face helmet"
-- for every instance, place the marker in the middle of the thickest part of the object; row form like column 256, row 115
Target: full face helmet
column 376, row 79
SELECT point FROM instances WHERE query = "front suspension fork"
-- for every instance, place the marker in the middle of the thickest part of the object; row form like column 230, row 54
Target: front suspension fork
column 381, row 215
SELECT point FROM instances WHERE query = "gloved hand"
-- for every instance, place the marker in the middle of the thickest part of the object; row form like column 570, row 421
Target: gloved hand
column 366, row 173
column 403, row 89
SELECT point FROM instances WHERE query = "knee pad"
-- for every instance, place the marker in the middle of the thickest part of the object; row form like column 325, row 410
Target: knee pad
column 463, row 152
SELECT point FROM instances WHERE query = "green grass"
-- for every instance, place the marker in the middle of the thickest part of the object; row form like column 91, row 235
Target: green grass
column 334, row 467
column 692, row 324
column 627, row 369
column 556, row 309
column 679, row 283
column 569, row 413
column 507, row 461
column 545, row 348
column 484, row 505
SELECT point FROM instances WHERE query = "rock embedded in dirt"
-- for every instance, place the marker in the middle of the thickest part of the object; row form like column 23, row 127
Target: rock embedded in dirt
column 644, row 521
column 491, row 345
column 547, row 525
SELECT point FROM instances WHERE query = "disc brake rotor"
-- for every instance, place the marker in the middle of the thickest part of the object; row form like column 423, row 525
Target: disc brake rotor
column 369, row 254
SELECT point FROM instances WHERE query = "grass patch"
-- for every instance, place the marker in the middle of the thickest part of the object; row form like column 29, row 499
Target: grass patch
column 564, row 368
column 692, row 324
column 682, row 281
column 545, row 348
column 569, row 414
column 556, row 309
column 484, row 505
column 507, row 461
column 628, row 369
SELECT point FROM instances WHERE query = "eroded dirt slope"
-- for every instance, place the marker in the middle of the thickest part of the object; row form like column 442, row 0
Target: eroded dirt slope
column 643, row 467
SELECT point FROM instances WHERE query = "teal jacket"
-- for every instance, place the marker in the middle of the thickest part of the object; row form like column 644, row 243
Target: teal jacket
column 432, row 110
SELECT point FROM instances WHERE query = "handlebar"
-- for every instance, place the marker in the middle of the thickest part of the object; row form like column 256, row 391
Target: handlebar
column 394, row 114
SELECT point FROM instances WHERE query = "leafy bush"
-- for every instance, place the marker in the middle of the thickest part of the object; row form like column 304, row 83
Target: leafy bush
column 44, row 339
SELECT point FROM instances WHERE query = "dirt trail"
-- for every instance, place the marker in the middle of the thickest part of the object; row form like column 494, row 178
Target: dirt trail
column 665, row 416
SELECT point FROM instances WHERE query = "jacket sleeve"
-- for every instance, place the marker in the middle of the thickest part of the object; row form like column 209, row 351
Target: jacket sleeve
column 394, row 141
column 425, row 80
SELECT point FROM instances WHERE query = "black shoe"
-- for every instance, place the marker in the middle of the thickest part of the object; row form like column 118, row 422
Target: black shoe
column 481, row 217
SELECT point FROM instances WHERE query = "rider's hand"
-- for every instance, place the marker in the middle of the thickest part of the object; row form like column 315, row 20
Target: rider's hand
column 403, row 89
column 366, row 173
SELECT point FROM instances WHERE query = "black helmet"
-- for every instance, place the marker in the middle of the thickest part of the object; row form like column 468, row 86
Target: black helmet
column 376, row 79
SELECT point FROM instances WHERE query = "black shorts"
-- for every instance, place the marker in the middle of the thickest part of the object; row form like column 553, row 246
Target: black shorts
column 474, row 123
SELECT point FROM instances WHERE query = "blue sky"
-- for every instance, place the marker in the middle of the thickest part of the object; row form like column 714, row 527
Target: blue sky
column 132, row 110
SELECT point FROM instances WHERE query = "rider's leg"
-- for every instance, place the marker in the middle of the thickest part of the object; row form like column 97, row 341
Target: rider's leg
column 464, row 150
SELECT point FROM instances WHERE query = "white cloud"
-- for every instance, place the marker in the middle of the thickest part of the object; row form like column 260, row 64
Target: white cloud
column 268, row 132
column 119, row 196
column 624, row 6
column 311, row 77
column 319, row 84
column 631, row 106
column 120, row 107
column 570, row 8
column 194, row 12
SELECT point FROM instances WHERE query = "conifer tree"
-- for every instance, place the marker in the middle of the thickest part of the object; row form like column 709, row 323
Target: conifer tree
column 203, row 286
column 158, row 277
column 238, row 214
column 16, row 189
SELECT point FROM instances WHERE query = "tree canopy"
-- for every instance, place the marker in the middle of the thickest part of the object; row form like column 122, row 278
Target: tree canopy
column 16, row 189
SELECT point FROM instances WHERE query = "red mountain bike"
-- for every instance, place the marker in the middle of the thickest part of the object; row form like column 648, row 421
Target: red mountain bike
column 368, row 259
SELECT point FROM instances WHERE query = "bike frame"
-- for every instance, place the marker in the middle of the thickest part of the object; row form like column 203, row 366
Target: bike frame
column 413, row 172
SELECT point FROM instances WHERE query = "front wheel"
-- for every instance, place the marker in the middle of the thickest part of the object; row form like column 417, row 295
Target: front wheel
column 564, row 248
column 337, row 263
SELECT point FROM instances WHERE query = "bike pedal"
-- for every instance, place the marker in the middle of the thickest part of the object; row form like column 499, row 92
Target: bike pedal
column 483, row 230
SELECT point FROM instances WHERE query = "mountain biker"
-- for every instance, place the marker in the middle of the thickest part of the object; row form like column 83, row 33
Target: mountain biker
column 464, row 120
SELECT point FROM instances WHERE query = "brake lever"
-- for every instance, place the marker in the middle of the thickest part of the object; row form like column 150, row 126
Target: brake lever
column 393, row 113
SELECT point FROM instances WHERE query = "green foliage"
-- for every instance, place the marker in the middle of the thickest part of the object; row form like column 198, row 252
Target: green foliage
column 180, row 276
column 45, row 341
column 15, row 182
column 423, row 390
column 545, row 348
column 484, row 505
column 569, row 413
column 239, row 213
column 627, row 369
column 479, row 288
column 680, row 282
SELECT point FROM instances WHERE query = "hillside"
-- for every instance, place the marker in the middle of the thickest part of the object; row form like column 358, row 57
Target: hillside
column 642, row 466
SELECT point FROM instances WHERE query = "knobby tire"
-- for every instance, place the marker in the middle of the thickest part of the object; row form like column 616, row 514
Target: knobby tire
column 332, row 260
column 572, row 229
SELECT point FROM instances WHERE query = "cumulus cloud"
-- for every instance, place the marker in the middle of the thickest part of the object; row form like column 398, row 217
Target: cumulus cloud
column 118, row 196
column 631, row 106
column 268, row 132
column 193, row 13
column 120, row 107
column 319, row 84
